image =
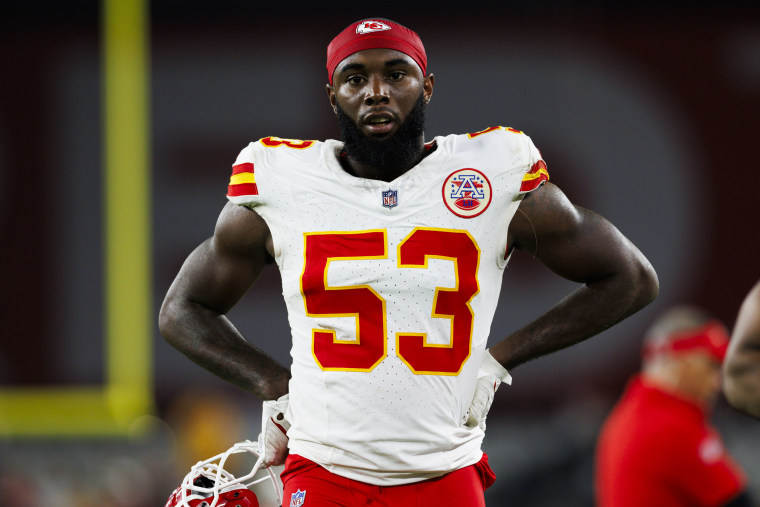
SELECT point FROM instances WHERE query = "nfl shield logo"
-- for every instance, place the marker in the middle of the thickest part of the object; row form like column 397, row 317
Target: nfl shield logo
column 297, row 498
column 390, row 198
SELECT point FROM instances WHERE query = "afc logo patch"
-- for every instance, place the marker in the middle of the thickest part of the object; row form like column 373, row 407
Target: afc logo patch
column 390, row 198
column 467, row 192
column 297, row 498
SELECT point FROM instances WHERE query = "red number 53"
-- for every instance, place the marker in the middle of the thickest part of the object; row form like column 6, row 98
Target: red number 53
column 369, row 346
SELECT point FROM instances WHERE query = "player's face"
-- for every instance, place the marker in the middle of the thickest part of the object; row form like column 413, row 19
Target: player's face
column 377, row 89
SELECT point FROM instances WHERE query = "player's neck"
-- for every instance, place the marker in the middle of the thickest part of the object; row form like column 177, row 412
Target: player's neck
column 361, row 170
column 355, row 166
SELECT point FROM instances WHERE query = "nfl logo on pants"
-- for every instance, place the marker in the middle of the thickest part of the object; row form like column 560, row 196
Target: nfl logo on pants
column 390, row 198
column 297, row 498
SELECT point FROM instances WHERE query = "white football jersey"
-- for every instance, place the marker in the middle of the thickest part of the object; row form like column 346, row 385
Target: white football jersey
column 391, row 289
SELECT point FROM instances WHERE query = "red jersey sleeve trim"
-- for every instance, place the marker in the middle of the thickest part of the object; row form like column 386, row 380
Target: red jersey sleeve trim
column 537, row 175
column 242, row 181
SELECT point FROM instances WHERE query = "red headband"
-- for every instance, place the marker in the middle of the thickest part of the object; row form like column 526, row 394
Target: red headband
column 372, row 34
column 712, row 338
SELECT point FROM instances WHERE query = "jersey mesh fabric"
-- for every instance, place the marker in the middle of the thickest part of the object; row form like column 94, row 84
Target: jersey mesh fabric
column 384, row 423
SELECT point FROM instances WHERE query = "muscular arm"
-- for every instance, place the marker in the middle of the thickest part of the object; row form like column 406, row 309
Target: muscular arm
column 581, row 246
column 211, row 281
column 741, row 368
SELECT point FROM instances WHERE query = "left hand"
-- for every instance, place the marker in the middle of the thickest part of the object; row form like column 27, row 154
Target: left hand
column 490, row 375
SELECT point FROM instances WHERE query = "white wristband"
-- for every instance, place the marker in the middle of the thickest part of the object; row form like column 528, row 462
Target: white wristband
column 494, row 367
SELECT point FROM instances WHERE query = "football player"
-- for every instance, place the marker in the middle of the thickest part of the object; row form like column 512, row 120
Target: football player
column 391, row 252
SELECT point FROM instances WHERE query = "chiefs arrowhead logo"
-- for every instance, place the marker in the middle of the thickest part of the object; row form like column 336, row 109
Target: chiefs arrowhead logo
column 371, row 26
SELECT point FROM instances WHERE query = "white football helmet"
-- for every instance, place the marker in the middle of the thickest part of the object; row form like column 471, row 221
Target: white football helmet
column 209, row 485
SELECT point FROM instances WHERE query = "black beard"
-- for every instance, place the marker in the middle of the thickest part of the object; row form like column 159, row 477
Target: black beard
column 390, row 155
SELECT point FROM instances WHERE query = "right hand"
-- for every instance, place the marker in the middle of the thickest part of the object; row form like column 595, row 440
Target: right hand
column 273, row 439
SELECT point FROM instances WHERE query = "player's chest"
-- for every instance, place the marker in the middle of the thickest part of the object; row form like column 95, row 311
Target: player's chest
column 456, row 199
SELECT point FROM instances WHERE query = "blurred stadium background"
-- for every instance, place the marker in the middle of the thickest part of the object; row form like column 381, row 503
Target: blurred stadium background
column 644, row 111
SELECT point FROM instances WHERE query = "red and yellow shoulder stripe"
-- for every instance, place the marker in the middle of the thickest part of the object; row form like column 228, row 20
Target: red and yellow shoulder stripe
column 242, row 181
column 535, row 177
column 473, row 135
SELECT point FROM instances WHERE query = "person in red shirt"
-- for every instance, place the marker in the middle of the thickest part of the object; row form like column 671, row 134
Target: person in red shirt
column 657, row 447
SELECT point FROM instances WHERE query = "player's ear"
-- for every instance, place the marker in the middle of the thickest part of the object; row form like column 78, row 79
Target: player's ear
column 427, row 87
column 331, row 98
